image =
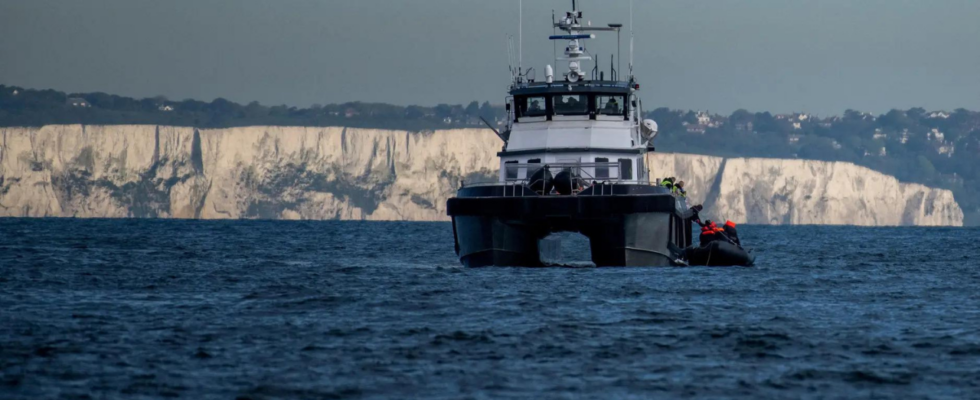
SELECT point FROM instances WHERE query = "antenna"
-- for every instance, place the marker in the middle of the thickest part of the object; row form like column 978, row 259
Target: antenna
column 520, row 39
column 619, row 48
column 554, row 31
column 512, row 58
column 612, row 67
column 631, row 39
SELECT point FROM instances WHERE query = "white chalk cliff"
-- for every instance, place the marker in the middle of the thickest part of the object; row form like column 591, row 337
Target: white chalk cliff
column 347, row 173
column 774, row 191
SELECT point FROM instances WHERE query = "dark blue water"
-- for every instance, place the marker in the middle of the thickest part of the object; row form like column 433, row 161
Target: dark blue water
column 193, row 309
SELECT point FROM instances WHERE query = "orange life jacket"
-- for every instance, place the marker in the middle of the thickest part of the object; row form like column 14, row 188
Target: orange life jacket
column 707, row 235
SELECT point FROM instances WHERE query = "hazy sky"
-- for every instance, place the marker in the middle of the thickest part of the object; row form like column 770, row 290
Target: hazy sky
column 820, row 56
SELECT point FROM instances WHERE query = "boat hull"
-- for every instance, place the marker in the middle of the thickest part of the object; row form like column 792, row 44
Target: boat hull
column 629, row 229
column 719, row 254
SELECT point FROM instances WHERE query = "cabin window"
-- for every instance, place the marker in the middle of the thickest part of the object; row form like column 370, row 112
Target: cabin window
column 572, row 104
column 534, row 161
column 601, row 168
column 625, row 169
column 534, row 106
column 610, row 105
column 510, row 170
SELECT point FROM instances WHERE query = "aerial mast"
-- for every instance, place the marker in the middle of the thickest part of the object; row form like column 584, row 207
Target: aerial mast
column 575, row 52
column 631, row 40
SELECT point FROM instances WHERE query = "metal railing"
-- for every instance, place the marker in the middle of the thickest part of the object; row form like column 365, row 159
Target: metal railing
column 583, row 177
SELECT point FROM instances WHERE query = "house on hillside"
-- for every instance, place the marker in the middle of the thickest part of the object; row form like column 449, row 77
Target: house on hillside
column 881, row 153
column 703, row 118
column 78, row 102
column 165, row 108
column 697, row 128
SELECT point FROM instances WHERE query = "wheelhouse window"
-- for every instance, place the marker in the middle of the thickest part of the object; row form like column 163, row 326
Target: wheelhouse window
column 610, row 105
column 533, row 106
column 625, row 169
column 572, row 104
column 602, row 168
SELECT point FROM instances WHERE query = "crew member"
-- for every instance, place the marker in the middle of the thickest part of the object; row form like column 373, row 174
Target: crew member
column 535, row 106
column 729, row 230
column 573, row 105
column 679, row 189
column 668, row 183
column 612, row 106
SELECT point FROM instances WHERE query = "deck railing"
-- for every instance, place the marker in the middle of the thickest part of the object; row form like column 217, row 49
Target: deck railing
column 583, row 174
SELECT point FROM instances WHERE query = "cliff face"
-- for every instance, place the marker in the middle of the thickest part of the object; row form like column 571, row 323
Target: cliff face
column 255, row 172
column 769, row 191
column 343, row 173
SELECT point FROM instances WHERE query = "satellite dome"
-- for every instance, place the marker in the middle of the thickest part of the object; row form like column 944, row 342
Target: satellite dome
column 650, row 126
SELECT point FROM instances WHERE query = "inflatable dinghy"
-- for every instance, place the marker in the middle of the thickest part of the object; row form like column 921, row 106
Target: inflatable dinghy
column 718, row 253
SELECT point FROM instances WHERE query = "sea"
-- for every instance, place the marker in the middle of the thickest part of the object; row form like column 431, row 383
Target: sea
column 153, row 309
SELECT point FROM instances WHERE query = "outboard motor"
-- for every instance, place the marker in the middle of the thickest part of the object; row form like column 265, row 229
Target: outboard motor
column 542, row 181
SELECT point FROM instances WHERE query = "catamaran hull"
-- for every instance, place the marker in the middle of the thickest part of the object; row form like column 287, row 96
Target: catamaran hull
column 623, row 230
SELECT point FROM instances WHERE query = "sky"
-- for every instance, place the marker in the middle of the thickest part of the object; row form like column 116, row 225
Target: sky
column 817, row 56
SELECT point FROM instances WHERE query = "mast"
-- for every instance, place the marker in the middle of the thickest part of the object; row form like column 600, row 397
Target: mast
column 631, row 40
column 575, row 52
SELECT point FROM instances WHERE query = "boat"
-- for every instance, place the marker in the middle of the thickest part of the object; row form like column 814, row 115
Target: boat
column 573, row 160
column 718, row 253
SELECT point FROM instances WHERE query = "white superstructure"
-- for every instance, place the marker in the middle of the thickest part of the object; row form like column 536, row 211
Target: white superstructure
column 579, row 119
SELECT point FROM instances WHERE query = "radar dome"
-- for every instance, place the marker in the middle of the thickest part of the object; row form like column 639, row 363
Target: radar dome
column 650, row 127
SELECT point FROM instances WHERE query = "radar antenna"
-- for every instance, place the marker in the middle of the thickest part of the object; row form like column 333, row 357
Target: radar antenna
column 575, row 53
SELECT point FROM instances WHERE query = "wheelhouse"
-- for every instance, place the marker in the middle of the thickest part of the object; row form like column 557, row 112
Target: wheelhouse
column 608, row 101
column 589, row 127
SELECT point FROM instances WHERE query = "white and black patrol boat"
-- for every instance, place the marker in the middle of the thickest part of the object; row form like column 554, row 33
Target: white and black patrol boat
column 572, row 160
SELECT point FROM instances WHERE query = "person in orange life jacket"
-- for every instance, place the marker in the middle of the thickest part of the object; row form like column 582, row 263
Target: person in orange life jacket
column 708, row 233
column 719, row 232
column 729, row 230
